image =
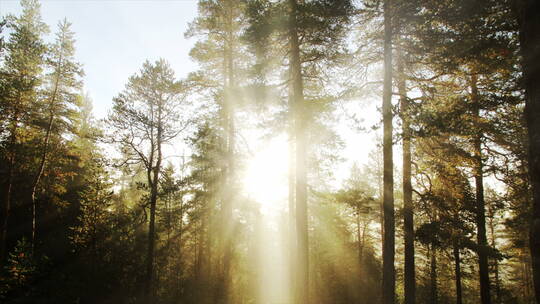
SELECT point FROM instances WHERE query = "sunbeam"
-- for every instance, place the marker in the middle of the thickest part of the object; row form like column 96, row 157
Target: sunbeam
column 265, row 176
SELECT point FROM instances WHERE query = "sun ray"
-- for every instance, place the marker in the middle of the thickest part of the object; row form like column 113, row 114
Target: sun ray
column 265, row 176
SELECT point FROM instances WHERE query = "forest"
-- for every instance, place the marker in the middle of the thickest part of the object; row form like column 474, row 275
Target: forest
column 223, row 186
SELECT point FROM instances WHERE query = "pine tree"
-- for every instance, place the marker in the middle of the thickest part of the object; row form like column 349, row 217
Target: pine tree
column 220, row 24
column 21, row 77
column 144, row 118
column 475, row 64
column 310, row 33
column 205, row 182
column 63, row 85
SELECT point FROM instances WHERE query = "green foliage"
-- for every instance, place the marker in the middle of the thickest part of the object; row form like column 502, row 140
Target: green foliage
column 62, row 86
column 145, row 114
column 21, row 70
column 95, row 205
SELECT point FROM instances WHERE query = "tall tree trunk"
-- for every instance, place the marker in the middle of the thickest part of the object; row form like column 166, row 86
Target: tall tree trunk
column 528, row 281
column 37, row 178
column 528, row 13
column 149, row 290
column 206, row 261
column 480, row 203
column 291, row 194
column 388, row 276
column 200, row 256
column 153, row 180
column 44, row 153
column 495, row 260
column 359, row 236
column 433, row 275
column 230, row 173
column 457, row 272
column 408, row 219
column 180, row 268
column 300, row 124
column 380, row 174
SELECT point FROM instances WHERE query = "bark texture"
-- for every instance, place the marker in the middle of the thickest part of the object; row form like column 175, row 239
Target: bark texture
column 408, row 217
column 388, row 276
column 528, row 15
column 481, row 234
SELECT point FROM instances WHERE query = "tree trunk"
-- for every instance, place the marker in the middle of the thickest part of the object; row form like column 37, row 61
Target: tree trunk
column 359, row 236
column 151, row 244
column 433, row 275
column 529, row 293
column 480, row 203
column 38, row 176
column 495, row 260
column 153, row 181
column 204, row 260
column 44, row 153
column 300, row 124
column 388, row 276
column 457, row 272
column 199, row 251
column 230, row 172
column 408, row 219
column 528, row 13
column 180, row 268
column 292, row 214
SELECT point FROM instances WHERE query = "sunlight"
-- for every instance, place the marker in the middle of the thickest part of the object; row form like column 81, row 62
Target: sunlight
column 265, row 177
column 265, row 182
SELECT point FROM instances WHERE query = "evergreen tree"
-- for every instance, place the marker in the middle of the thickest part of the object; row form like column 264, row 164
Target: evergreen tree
column 309, row 32
column 145, row 118
column 21, row 78
column 219, row 51
column 63, row 85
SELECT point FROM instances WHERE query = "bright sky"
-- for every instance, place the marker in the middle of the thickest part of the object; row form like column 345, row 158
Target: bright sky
column 114, row 38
